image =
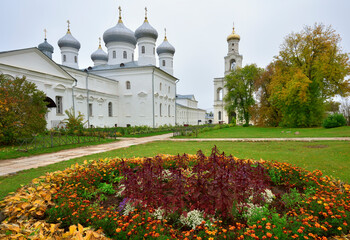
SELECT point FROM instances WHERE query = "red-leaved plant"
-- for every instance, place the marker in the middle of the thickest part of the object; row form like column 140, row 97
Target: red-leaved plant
column 215, row 184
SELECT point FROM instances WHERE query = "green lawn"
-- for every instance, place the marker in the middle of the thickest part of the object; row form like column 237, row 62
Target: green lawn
column 11, row 151
column 331, row 157
column 146, row 134
column 266, row 132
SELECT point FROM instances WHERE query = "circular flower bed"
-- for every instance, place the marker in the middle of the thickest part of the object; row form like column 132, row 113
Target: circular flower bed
column 179, row 197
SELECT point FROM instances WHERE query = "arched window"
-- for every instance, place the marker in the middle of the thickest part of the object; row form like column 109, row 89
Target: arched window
column 163, row 63
column 125, row 55
column 219, row 94
column 219, row 115
column 143, row 49
column 169, row 110
column 110, row 109
column 233, row 64
column 160, row 110
column 128, row 85
column 160, row 86
column 64, row 58
column 114, row 54
column 75, row 59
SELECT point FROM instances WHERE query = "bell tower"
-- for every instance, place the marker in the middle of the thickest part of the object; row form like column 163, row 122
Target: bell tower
column 233, row 59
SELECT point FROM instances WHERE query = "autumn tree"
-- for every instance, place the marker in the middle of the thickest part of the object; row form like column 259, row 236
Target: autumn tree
column 22, row 109
column 309, row 69
column 240, row 87
column 264, row 113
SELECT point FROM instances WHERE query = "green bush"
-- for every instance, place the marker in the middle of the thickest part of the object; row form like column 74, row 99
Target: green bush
column 334, row 120
column 74, row 123
column 22, row 109
column 233, row 122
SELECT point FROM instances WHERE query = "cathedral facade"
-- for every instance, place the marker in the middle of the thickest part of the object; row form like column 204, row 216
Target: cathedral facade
column 232, row 60
column 117, row 91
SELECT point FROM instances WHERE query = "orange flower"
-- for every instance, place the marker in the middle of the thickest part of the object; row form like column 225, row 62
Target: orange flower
column 269, row 235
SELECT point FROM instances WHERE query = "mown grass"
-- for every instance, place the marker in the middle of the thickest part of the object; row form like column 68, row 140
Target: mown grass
column 331, row 157
column 10, row 152
column 276, row 132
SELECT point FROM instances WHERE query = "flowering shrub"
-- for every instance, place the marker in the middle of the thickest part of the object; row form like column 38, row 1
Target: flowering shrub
column 179, row 197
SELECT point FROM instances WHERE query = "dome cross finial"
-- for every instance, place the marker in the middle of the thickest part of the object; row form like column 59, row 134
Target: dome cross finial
column 99, row 42
column 45, row 33
column 145, row 14
column 120, row 15
column 165, row 39
column 68, row 22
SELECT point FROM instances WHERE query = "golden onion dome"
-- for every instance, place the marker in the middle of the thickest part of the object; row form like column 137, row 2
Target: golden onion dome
column 233, row 35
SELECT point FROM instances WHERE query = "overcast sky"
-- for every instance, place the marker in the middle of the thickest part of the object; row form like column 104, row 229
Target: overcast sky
column 196, row 28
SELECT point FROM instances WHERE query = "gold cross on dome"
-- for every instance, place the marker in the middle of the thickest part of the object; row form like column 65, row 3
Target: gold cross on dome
column 145, row 12
column 99, row 40
column 120, row 14
column 68, row 31
column 45, row 32
column 165, row 39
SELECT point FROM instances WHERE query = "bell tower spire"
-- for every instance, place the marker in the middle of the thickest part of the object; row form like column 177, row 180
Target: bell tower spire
column 233, row 58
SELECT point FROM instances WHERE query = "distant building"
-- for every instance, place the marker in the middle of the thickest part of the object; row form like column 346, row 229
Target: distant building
column 232, row 60
column 117, row 91
column 209, row 118
column 187, row 111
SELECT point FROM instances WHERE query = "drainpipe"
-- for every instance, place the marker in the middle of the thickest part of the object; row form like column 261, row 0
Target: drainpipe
column 87, row 94
column 153, row 98
column 74, row 85
column 177, row 80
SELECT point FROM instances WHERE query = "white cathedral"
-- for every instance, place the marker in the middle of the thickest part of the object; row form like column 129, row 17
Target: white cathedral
column 232, row 60
column 117, row 90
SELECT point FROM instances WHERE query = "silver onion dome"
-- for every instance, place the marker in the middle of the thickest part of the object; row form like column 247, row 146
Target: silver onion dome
column 99, row 54
column 119, row 33
column 165, row 47
column 146, row 30
column 45, row 46
column 69, row 41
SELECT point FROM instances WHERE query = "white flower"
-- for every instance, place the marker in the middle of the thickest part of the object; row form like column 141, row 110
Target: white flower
column 166, row 173
column 128, row 208
column 252, row 209
column 194, row 218
column 268, row 195
column 158, row 213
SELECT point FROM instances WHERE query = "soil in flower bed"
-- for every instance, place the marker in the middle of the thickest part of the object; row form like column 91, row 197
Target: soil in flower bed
column 186, row 197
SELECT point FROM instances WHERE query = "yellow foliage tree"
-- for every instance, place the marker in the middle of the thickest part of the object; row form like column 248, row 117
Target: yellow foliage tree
column 310, row 69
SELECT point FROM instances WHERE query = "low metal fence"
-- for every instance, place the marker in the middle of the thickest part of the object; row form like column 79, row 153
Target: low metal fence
column 55, row 139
